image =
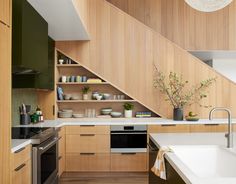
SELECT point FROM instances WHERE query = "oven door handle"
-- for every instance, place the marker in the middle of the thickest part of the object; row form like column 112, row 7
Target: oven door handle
column 129, row 133
column 42, row 148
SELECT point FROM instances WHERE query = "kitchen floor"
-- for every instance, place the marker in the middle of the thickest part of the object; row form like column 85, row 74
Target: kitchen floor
column 104, row 178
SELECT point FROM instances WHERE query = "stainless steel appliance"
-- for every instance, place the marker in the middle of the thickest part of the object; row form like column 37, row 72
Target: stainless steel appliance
column 44, row 152
column 128, row 139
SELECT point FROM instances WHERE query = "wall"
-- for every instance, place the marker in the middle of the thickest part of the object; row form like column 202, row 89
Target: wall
column 19, row 96
column 190, row 29
column 226, row 67
column 123, row 51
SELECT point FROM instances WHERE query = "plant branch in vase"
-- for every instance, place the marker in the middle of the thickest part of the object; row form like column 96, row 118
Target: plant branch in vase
column 179, row 93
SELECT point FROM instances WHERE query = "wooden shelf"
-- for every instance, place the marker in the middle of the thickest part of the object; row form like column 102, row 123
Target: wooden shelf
column 94, row 101
column 82, row 83
column 68, row 65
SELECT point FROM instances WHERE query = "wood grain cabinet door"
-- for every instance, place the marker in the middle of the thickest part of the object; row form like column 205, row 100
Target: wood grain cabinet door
column 22, row 174
column 5, row 11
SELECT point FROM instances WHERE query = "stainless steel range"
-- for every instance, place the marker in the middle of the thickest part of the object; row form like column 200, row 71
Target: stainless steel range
column 44, row 152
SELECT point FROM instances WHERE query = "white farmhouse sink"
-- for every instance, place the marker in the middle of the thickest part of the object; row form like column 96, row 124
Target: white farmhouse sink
column 205, row 164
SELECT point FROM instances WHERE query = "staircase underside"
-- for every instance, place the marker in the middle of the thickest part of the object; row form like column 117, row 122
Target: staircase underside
column 123, row 51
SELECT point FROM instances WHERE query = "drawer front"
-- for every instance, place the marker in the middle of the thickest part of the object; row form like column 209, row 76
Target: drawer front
column 136, row 162
column 21, row 156
column 87, row 143
column 87, row 129
column 61, row 133
column 22, row 174
column 208, row 128
column 173, row 128
column 88, row 162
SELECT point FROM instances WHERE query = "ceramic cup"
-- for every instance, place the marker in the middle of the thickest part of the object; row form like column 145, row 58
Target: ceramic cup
column 84, row 79
column 73, row 78
column 68, row 78
column 63, row 78
column 78, row 78
column 60, row 61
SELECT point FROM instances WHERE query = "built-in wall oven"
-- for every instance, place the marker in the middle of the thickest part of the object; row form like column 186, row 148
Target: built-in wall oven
column 128, row 139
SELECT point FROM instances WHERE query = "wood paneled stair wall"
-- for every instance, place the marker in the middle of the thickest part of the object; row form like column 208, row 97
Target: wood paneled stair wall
column 123, row 51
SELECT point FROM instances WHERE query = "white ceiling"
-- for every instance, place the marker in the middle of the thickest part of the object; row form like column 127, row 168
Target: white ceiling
column 63, row 21
column 210, row 55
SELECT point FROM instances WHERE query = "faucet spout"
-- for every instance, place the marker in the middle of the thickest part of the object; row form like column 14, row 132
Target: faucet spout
column 229, row 135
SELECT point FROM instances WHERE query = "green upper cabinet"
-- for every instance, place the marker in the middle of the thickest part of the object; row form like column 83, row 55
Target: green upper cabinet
column 32, row 67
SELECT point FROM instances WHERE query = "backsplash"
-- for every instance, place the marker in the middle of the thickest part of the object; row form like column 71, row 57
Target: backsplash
column 19, row 96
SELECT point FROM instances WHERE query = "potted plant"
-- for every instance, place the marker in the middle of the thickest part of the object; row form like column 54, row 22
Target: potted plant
column 178, row 93
column 85, row 91
column 128, row 110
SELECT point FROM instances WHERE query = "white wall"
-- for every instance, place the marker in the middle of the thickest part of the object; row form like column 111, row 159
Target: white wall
column 227, row 67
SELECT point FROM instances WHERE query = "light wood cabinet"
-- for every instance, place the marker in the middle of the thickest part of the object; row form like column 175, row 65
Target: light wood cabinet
column 87, row 148
column 87, row 129
column 62, row 149
column 132, row 162
column 168, row 128
column 87, row 143
column 208, row 128
column 5, row 11
column 88, row 162
column 21, row 166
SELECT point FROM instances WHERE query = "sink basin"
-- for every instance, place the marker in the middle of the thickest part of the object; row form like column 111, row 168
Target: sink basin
column 207, row 161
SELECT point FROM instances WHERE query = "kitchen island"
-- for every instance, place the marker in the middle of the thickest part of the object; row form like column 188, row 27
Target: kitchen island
column 211, row 161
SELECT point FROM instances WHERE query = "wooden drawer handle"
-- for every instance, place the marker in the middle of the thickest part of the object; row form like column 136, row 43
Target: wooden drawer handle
column 211, row 124
column 87, row 153
column 87, row 125
column 60, row 157
column 59, row 138
column 128, row 153
column 19, row 150
column 90, row 135
column 168, row 125
column 20, row 167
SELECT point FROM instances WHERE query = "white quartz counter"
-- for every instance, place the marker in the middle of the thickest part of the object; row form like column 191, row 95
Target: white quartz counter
column 17, row 144
column 192, row 139
column 111, row 121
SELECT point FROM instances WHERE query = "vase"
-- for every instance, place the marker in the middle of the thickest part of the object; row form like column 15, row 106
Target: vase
column 178, row 114
column 128, row 113
column 85, row 96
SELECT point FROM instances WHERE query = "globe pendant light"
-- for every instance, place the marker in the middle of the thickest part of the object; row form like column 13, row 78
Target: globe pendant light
column 208, row 5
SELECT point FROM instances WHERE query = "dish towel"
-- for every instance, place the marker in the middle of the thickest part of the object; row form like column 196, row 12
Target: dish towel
column 159, row 166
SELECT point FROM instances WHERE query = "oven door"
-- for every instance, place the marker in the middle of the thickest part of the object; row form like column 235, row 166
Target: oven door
column 128, row 141
column 45, row 162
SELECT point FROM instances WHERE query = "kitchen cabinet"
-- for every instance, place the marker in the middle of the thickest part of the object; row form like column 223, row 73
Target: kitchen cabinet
column 209, row 128
column 88, row 162
column 5, row 12
column 61, row 152
column 21, row 166
column 129, row 162
column 87, row 148
column 168, row 128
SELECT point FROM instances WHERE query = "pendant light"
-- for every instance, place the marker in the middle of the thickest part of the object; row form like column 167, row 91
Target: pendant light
column 208, row 5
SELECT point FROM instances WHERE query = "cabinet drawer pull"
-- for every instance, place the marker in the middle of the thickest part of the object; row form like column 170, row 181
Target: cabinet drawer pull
column 59, row 138
column 128, row 153
column 20, row 167
column 168, row 125
column 90, row 135
column 60, row 157
column 87, row 125
column 211, row 124
column 87, row 153
column 19, row 150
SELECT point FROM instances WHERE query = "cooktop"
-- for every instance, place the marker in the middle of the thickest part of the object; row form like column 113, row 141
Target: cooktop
column 36, row 134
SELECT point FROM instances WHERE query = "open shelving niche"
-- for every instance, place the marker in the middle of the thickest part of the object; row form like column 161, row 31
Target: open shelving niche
column 79, row 106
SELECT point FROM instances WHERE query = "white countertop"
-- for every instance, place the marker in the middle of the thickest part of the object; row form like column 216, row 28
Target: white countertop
column 17, row 144
column 174, row 139
column 112, row 121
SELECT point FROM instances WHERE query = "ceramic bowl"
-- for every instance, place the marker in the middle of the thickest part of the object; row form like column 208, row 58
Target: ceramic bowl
column 67, row 96
column 116, row 114
column 78, row 115
column 99, row 97
column 106, row 96
column 106, row 111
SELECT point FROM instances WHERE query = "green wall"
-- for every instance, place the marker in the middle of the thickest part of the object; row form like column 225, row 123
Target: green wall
column 19, row 96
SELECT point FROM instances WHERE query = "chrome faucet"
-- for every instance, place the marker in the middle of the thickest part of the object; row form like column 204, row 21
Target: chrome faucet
column 229, row 135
